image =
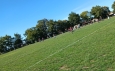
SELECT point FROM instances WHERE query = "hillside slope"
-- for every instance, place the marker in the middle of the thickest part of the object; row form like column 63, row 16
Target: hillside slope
column 90, row 48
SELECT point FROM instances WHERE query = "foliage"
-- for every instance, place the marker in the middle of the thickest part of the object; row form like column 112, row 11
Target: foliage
column 51, row 26
column 113, row 6
column 42, row 28
column 97, row 11
column 84, row 15
column 74, row 18
column 106, row 11
column 31, row 34
column 18, row 40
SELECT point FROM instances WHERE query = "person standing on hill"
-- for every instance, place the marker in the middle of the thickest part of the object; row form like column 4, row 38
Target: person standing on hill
column 72, row 30
column 108, row 17
column 78, row 26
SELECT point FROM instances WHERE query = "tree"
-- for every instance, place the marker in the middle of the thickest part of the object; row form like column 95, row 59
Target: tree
column 61, row 25
column 5, row 43
column 32, row 34
column 51, row 27
column 7, row 40
column 18, row 40
column 106, row 11
column 97, row 11
column 66, row 24
column 84, row 15
column 38, row 32
column 42, row 28
column 17, row 36
column 1, row 44
column 74, row 18
column 113, row 7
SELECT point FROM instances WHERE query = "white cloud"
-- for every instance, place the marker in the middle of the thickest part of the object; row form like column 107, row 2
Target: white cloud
column 82, row 7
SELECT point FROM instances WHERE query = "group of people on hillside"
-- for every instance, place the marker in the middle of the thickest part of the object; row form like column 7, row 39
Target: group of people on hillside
column 73, row 28
column 78, row 26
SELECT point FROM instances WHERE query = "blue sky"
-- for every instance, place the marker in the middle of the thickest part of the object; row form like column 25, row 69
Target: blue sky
column 18, row 15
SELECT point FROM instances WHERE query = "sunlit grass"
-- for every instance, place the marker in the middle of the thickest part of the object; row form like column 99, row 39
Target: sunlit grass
column 93, row 52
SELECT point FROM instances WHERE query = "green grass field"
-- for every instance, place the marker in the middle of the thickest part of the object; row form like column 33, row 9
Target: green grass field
column 90, row 48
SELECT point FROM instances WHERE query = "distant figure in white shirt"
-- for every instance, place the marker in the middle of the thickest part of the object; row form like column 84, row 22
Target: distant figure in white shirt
column 78, row 26
column 108, row 17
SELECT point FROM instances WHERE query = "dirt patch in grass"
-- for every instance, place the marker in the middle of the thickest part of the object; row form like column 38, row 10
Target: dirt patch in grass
column 110, row 69
column 85, row 67
column 64, row 67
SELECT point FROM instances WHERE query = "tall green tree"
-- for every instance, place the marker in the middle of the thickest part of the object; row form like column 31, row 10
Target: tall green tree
column 84, row 15
column 106, row 11
column 51, row 27
column 42, row 28
column 7, row 40
column 18, row 40
column 66, row 24
column 61, row 25
column 74, row 18
column 5, row 43
column 32, row 34
column 113, row 7
column 17, row 36
column 97, row 11
column 1, row 44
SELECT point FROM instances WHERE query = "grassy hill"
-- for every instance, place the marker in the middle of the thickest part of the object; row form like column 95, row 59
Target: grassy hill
column 90, row 48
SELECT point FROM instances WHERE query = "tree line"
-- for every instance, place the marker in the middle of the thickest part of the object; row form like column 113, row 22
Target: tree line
column 48, row 28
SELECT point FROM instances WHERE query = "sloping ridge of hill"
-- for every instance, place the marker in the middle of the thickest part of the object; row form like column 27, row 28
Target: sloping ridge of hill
column 90, row 48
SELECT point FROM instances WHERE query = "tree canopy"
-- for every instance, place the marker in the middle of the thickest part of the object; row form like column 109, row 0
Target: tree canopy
column 84, row 15
column 113, row 7
column 74, row 18
column 97, row 11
